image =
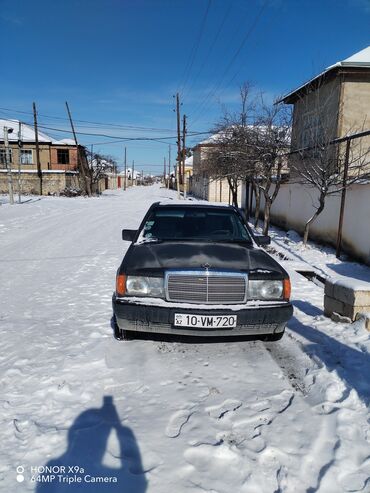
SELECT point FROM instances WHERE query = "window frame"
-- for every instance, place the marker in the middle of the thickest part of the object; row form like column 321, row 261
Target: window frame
column 26, row 152
column 63, row 161
column 3, row 154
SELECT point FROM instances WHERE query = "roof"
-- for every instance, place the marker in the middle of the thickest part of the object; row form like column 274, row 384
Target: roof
column 213, row 139
column 361, row 59
column 189, row 161
column 190, row 202
column 28, row 133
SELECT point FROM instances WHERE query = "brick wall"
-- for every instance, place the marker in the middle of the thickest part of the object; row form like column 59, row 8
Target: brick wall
column 54, row 165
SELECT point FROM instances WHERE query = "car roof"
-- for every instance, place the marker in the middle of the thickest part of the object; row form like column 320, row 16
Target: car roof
column 191, row 203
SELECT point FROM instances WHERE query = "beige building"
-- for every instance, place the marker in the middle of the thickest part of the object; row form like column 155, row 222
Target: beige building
column 334, row 104
column 340, row 96
column 188, row 169
column 204, row 187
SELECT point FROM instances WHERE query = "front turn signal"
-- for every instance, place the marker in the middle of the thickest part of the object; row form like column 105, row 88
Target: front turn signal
column 286, row 289
column 121, row 285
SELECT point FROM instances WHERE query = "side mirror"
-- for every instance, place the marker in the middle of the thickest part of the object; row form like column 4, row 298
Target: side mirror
column 263, row 240
column 128, row 234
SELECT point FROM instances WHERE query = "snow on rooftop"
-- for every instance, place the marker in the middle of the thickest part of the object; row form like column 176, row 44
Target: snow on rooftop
column 28, row 133
column 359, row 59
column 130, row 172
column 189, row 161
column 68, row 142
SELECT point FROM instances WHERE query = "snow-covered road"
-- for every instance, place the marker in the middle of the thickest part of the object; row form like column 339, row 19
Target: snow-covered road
column 162, row 417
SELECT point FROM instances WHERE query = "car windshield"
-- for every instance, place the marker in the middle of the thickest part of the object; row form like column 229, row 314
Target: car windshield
column 193, row 224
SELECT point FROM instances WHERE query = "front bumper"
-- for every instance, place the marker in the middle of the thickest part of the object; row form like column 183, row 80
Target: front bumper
column 158, row 318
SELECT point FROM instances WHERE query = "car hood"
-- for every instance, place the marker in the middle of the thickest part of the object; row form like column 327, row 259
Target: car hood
column 162, row 256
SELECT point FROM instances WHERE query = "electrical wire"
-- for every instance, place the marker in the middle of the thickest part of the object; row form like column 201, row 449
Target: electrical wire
column 195, row 48
column 131, row 127
column 210, row 49
column 116, row 137
column 217, row 86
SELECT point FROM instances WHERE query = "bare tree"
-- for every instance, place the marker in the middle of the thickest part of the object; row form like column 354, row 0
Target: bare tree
column 230, row 154
column 99, row 166
column 320, row 161
column 272, row 138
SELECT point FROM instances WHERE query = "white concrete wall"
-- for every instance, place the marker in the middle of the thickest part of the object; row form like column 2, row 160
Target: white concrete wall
column 294, row 205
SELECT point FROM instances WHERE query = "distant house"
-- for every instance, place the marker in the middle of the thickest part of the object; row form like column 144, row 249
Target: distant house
column 57, row 157
column 202, row 185
column 54, row 154
column 188, row 173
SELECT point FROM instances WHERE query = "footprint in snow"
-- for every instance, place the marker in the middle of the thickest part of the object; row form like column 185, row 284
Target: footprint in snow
column 221, row 410
column 176, row 422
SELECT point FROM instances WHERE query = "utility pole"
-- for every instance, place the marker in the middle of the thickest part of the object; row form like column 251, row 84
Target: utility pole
column 169, row 166
column 19, row 161
column 133, row 173
column 8, row 163
column 125, row 176
column 343, row 200
column 164, row 172
column 184, row 153
column 80, row 162
column 142, row 177
column 38, row 164
column 178, row 167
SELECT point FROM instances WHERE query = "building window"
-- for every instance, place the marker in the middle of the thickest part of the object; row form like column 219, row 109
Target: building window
column 3, row 156
column 63, row 156
column 26, row 156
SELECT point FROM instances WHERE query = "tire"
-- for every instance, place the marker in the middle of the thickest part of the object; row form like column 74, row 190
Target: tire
column 120, row 334
column 128, row 335
column 274, row 337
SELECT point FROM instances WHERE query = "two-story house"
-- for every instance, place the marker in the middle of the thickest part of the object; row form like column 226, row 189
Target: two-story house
column 331, row 105
column 58, row 159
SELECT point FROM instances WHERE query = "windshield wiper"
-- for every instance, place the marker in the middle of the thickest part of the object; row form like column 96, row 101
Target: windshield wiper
column 151, row 239
column 232, row 240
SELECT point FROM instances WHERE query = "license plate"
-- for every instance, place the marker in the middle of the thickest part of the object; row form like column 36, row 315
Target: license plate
column 205, row 321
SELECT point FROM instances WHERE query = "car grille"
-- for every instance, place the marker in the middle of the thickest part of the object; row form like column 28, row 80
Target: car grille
column 206, row 287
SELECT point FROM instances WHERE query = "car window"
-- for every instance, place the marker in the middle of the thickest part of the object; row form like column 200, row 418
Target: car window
column 195, row 224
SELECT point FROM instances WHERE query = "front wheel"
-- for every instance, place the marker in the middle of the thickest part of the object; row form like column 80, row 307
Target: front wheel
column 120, row 334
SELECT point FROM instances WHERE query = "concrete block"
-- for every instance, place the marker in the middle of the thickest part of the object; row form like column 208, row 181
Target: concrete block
column 332, row 305
column 352, row 311
column 329, row 287
column 350, row 291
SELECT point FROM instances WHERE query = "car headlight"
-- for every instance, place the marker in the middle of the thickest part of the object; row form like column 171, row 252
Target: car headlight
column 145, row 286
column 265, row 290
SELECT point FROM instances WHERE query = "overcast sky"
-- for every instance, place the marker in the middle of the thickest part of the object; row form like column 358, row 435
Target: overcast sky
column 121, row 61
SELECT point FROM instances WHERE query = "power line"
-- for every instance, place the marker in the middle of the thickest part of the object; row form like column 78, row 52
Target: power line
column 108, row 124
column 217, row 86
column 195, row 48
column 210, row 49
column 118, row 139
